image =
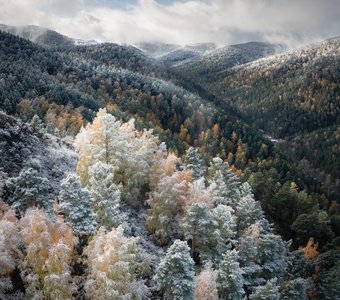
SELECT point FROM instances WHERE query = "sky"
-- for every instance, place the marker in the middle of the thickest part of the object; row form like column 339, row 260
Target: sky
column 225, row 22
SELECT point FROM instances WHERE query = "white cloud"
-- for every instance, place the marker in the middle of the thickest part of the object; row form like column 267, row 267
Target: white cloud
column 222, row 21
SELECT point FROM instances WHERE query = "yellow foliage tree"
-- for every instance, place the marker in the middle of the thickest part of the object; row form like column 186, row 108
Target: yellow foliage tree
column 50, row 247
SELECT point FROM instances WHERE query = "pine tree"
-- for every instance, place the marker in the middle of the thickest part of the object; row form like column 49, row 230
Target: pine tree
column 106, row 195
column 270, row 291
column 295, row 289
column 175, row 275
column 193, row 162
column 224, row 230
column 75, row 205
column 230, row 278
column 226, row 183
column 197, row 227
column 28, row 190
column 114, row 262
column 248, row 211
column 272, row 256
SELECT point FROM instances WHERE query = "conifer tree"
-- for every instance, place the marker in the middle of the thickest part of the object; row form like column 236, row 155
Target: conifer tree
column 28, row 190
column 75, row 205
column 270, row 291
column 175, row 275
column 230, row 278
column 197, row 227
column 193, row 162
column 106, row 196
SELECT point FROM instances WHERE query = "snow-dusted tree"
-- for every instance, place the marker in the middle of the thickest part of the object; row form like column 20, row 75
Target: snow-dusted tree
column 248, row 211
column 166, row 202
column 198, row 193
column 28, row 189
column 76, row 206
column 114, row 262
column 10, row 245
column 226, row 183
column 224, row 230
column 106, row 195
column 248, row 256
column 230, row 280
column 193, row 162
column 271, row 256
column 270, row 291
column 295, row 289
column 206, row 286
column 175, row 275
column 49, row 247
column 197, row 227
column 36, row 123
column 130, row 152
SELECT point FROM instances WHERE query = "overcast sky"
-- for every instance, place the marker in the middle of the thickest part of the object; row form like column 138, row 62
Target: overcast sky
column 291, row 22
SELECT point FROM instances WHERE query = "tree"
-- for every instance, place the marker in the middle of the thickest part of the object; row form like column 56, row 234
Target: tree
column 129, row 151
column 226, row 183
column 224, row 230
column 295, row 289
column 75, row 205
column 315, row 224
column 272, row 256
column 28, row 190
column 230, row 280
column 193, row 162
column 49, row 251
column 175, row 275
column 166, row 202
column 248, row 211
column 206, row 287
column 10, row 247
column 114, row 262
column 106, row 195
column 197, row 227
column 269, row 291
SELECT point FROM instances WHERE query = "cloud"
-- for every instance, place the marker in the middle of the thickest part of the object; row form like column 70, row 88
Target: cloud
column 287, row 22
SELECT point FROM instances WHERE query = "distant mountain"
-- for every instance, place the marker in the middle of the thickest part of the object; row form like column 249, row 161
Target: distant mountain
column 219, row 59
column 39, row 35
column 172, row 54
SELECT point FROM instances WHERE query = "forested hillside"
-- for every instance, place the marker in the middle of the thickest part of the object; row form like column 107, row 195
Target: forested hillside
column 190, row 176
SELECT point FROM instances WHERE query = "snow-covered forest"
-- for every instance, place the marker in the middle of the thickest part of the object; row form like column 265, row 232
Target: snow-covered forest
column 134, row 221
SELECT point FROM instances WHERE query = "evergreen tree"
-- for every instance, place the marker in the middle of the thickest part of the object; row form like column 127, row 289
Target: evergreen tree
column 75, row 205
column 193, row 162
column 226, row 183
column 175, row 275
column 230, row 278
column 248, row 211
column 270, row 291
column 224, row 230
column 272, row 256
column 106, row 195
column 28, row 190
column 295, row 289
column 197, row 227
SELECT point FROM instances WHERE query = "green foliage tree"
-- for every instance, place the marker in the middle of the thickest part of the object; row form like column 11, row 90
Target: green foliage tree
column 29, row 189
column 175, row 275
column 76, row 206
